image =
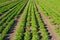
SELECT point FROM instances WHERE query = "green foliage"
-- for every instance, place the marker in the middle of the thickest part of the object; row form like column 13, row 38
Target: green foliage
column 27, row 35
column 57, row 31
column 7, row 29
column 42, row 28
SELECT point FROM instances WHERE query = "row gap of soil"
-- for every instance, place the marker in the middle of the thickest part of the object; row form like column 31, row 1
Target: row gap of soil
column 30, row 26
column 25, row 26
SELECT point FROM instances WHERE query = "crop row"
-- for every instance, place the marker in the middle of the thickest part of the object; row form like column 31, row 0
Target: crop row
column 52, row 4
column 8, row 20
column 20, row 31
column 1, row 1
column 49, row 12
column 44, row 33
column 28, row 29
column 7, row 17
column 4, row 4
column 9, row 6
column 35, row 35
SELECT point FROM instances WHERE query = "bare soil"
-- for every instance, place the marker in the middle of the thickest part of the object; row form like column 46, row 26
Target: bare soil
column 15, row 29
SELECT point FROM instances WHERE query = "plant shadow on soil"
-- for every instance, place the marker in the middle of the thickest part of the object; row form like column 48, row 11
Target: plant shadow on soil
column 10, row 31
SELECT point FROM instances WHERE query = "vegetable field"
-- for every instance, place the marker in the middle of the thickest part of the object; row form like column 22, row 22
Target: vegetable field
column 29, row 20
